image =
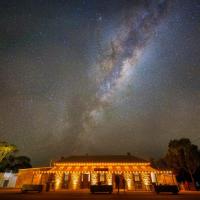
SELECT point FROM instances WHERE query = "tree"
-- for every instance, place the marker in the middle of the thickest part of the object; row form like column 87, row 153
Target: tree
column 10, row 162
column 183, row 155
column 14, row 163
column 6, row 149
column 159, row 163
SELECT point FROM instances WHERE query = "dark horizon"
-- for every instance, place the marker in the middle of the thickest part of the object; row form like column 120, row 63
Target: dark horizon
column 98, row 77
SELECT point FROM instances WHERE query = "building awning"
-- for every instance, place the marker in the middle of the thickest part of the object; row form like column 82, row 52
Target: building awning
column 105, row 169
column 102, row 169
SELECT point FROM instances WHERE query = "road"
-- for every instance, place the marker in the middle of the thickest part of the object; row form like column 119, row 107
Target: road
column 16, row 195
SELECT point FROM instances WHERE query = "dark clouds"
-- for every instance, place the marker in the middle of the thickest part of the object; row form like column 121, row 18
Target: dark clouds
column 98, row 76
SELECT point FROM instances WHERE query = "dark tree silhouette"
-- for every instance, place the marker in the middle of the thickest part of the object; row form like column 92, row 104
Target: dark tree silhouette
column 183, row 155
column 15, row 163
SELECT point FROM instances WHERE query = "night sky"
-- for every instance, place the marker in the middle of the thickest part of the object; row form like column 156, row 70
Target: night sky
column 98, row 76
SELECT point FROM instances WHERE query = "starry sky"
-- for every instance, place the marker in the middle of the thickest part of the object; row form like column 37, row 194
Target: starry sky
column 98, row 76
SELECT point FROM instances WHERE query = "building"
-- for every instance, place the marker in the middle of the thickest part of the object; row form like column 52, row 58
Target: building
column 79, row 172
column 8, row 180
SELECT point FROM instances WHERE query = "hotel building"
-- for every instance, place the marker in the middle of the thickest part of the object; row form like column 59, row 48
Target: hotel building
column 79, row 172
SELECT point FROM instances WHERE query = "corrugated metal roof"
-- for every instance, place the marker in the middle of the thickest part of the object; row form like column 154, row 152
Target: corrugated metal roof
column 103, row 158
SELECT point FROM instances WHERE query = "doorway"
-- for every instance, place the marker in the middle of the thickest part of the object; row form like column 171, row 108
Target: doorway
column 85, row 181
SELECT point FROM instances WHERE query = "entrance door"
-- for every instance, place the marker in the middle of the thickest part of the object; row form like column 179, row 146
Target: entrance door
column 85, row 181
column 121, row 181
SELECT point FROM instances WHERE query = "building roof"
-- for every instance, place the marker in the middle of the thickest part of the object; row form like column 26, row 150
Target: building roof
column 103, row 158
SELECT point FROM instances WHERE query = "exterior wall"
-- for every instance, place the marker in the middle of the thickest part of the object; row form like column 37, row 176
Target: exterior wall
column 75, row 181
column 109, row 178
column 44, row 178
column 94, row 178
column 58, row 179
column 24, row 177
column 36, row 179
column 129, row 181
column 33, row 176
column 166, row 179
column 8, row 180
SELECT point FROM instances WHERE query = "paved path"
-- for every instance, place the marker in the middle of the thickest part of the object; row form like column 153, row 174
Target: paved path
column 16, row 195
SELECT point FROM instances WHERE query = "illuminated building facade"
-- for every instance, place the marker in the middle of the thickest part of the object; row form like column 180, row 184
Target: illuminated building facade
column 79, row 172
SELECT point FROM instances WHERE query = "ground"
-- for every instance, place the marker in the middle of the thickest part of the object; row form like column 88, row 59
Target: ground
column 17, row 195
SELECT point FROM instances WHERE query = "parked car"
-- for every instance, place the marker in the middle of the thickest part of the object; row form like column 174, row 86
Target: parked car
column 30, row 187
column 166, row 188
column 101, row 188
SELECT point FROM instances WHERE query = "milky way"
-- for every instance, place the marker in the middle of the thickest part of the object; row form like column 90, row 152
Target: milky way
column 126, row 49
column 98, row 77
